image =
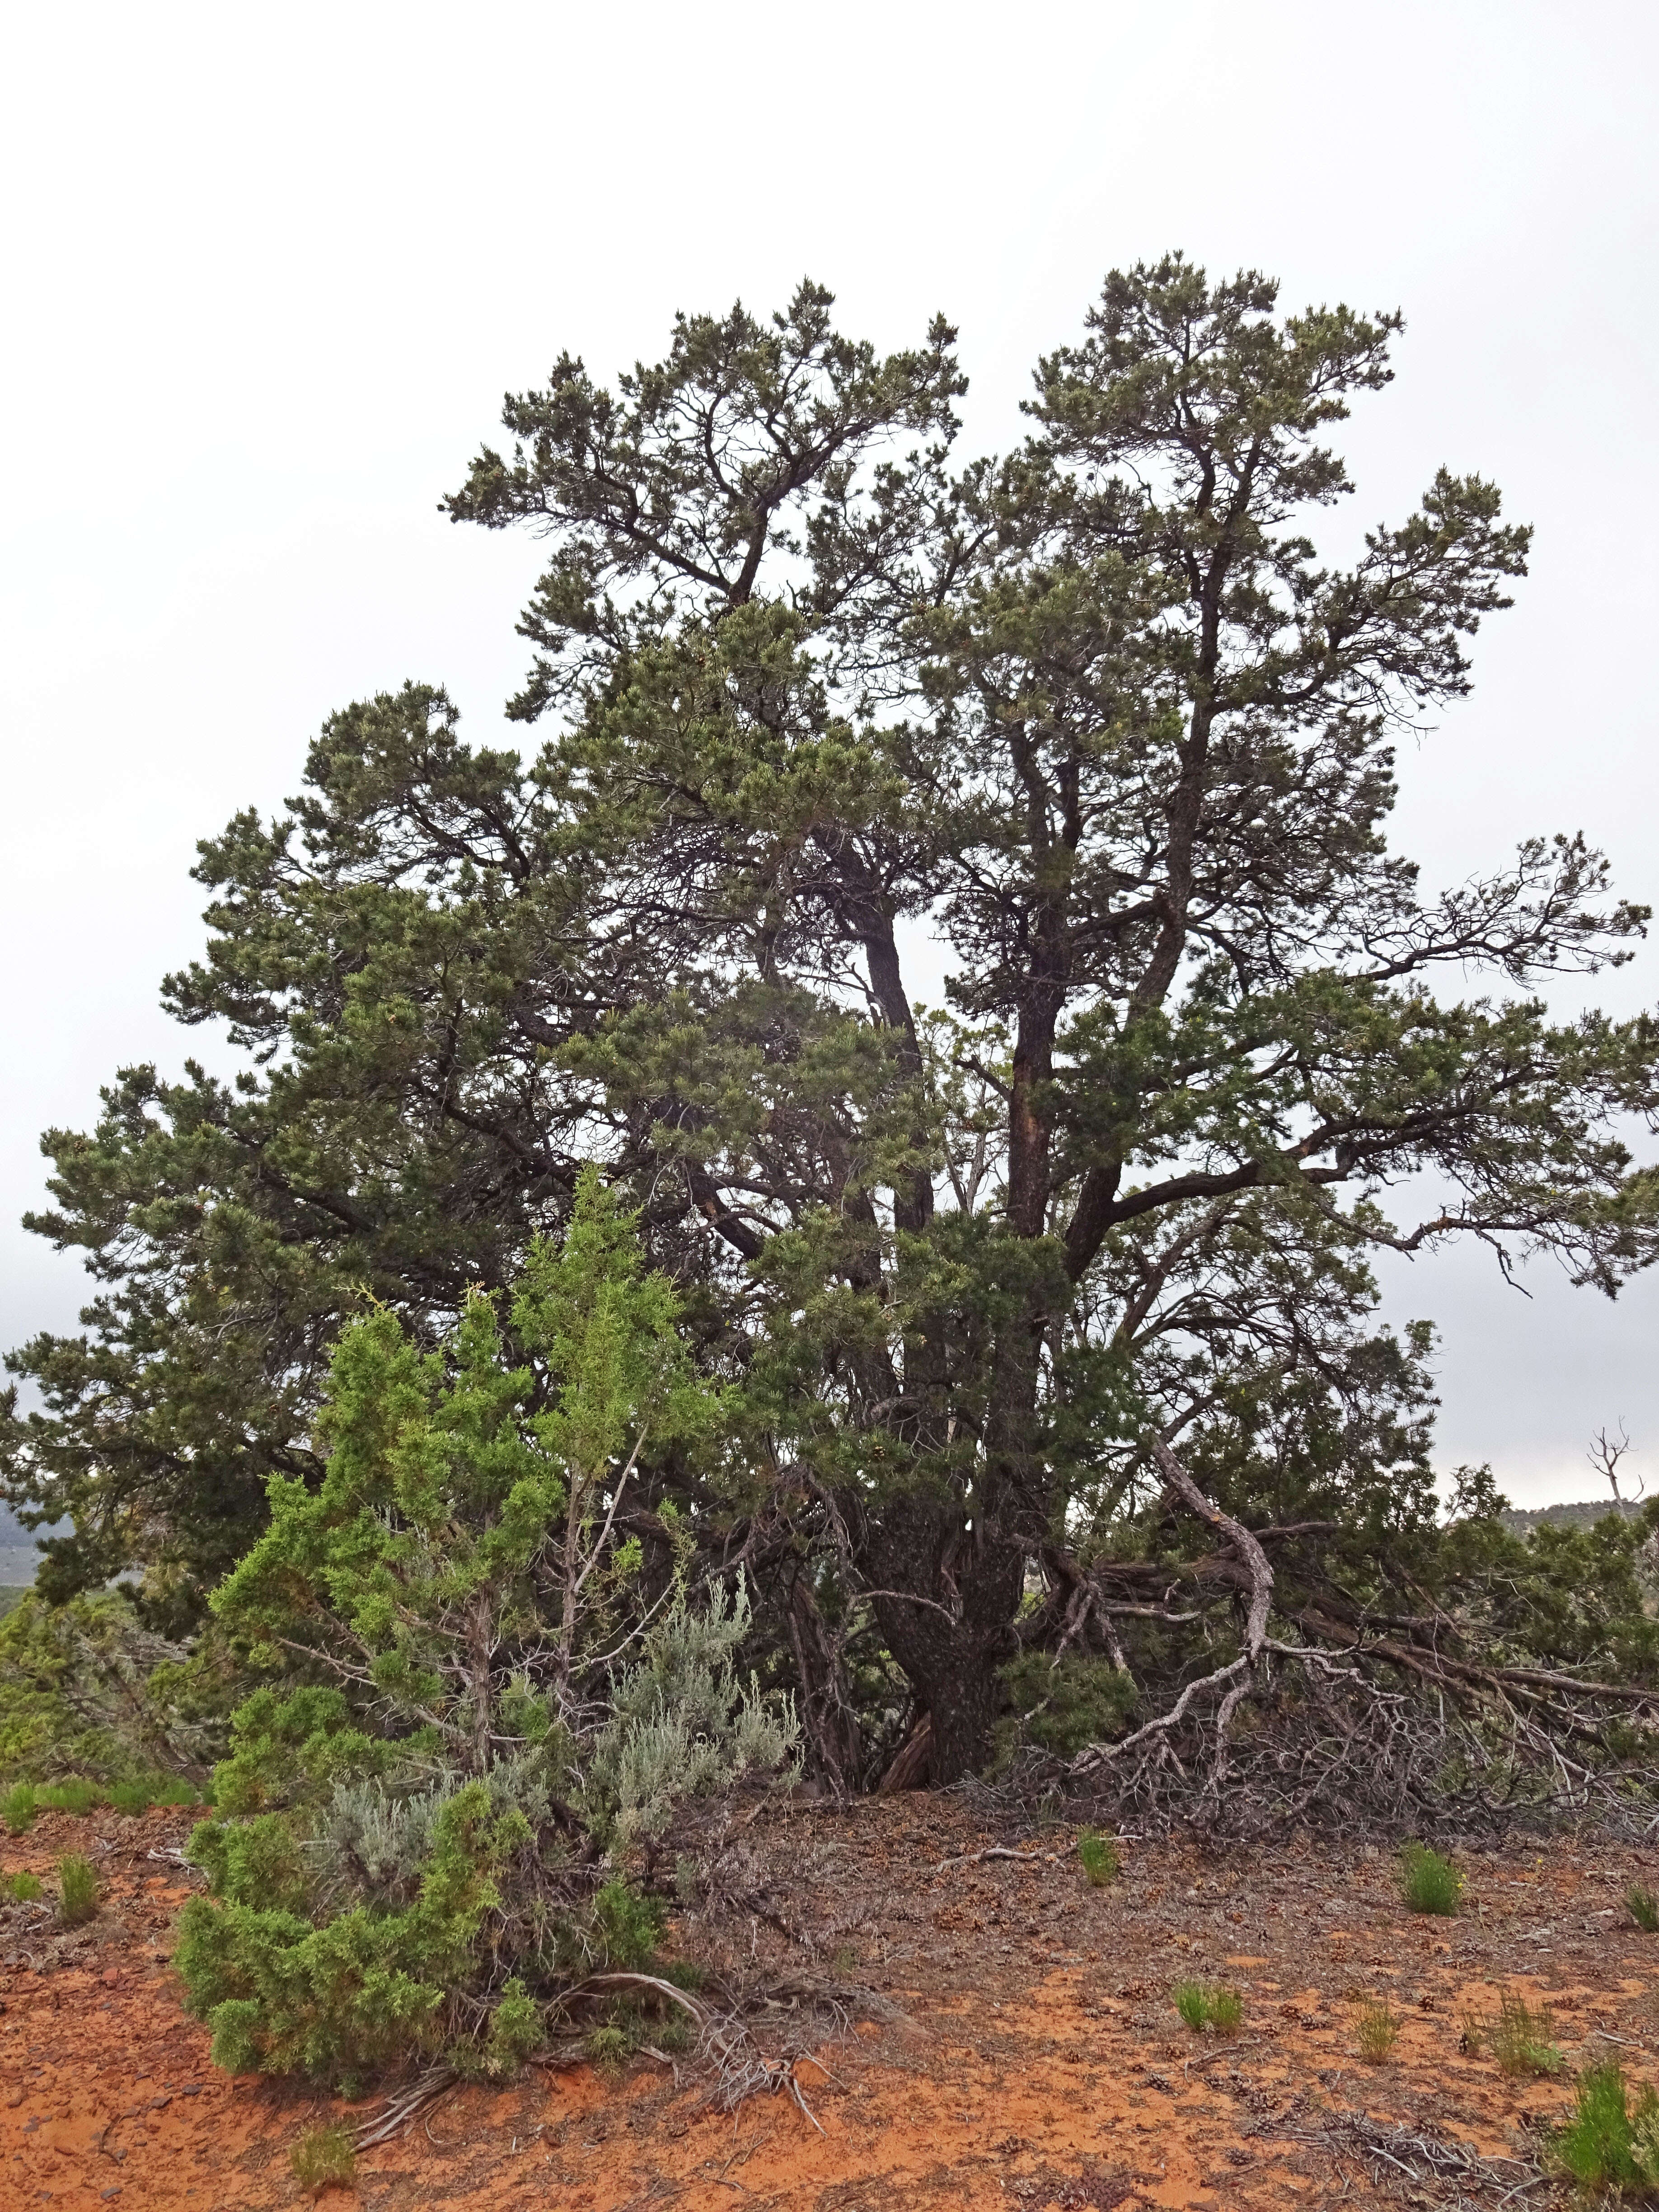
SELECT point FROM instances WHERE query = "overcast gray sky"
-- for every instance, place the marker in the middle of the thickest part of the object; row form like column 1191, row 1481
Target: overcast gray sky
column 267, row 272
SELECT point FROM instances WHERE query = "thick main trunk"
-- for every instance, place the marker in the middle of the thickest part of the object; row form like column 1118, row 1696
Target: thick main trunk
column 962, row 1708
column 952, row 1628
column 955, row 1677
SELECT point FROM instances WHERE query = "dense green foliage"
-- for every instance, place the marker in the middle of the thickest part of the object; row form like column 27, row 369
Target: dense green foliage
column 86, row 1690
column 423, row 1830
column 1098, row 717
column 1612, row 2140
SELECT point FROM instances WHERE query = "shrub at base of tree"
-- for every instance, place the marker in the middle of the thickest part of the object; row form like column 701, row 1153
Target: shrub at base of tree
column 426, row 1856
column 395, row 1921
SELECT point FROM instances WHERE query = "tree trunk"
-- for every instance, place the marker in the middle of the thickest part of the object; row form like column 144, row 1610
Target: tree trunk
column 961, row 1708
column 950, row 1630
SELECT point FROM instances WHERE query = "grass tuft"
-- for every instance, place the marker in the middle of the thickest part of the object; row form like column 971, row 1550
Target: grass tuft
column 323, row 2156
column 23, row 1803
column 1209, row 2004
column 1643, row 1908
column 1522, row 2040
column 77, row 1796
column 137, row 1797
column 24, row 1888
column 1377, row 2030
column 1099, row 1855
column 77, row 1889
column 1428, row 1882
column 1609, row 2144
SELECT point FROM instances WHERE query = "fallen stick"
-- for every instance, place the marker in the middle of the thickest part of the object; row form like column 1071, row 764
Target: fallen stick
column 998, row 1851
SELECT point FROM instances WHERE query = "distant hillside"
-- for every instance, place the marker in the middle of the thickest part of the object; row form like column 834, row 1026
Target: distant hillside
column 1583, row 1513
column 18, row 1557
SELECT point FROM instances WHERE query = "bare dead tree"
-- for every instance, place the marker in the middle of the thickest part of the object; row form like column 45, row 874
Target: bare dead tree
column 1605, row 1455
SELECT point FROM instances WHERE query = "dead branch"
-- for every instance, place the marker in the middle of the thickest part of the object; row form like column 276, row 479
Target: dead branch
column 618, row 1980
column 400, row 2111
column 909, row 1769
column 1247, row 1546
column 1234, row 1678
column 1605, row 1455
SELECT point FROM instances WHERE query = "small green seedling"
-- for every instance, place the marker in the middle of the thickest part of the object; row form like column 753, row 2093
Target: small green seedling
column 18, row 1807
column 609, row 2048
column 1643, row 1908
column 1209, row 2004
column 1377, row 2029
column 1522, row 2040
column 323, row 2156
column 24, row 1887
column 77, row 1889
column 1428, row 1882
column 1099, row 1855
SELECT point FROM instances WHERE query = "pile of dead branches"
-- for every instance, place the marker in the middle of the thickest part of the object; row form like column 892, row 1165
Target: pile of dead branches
column 1340, row 1713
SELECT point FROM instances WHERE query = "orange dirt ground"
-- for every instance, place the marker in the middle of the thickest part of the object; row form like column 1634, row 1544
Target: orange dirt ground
column 1037, row 2062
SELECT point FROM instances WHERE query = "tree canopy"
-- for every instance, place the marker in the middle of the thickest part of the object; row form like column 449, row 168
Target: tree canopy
column 1094, row 727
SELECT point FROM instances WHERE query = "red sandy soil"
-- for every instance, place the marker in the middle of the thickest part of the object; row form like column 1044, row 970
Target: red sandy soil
column 1037, row 2062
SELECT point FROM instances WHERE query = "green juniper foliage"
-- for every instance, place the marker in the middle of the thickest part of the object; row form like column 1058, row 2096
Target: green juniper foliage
column 1643, row 1908
column 1100, row 714
column 87, row 1690
column 423, row 1824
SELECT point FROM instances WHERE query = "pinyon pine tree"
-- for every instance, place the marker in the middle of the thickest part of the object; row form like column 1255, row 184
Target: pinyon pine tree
column 1098, row 719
